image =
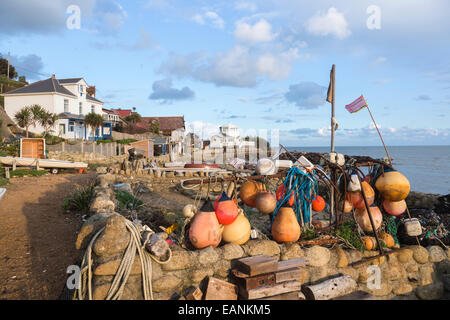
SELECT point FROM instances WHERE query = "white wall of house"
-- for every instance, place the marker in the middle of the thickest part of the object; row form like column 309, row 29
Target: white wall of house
column 57, row 103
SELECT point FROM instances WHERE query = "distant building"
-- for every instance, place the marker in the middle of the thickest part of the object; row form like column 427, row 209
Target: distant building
column 229, row 137
column 68, row 98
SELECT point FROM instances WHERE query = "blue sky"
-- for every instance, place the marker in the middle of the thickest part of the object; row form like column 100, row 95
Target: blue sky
column 257, row 64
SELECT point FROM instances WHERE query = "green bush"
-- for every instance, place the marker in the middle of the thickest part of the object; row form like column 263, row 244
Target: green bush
column 126, row 141
column 9, row 150
column 348, row 232
column 80, row 200
column 27, row 172
column 105, row 141
column 127, row 200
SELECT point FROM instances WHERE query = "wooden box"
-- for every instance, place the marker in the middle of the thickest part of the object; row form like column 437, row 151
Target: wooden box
column 220, row 290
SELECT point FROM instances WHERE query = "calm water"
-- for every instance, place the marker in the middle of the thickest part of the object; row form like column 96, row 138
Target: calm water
column 426, row 167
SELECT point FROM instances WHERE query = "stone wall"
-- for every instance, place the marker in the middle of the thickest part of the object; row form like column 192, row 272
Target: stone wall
column 414, row 272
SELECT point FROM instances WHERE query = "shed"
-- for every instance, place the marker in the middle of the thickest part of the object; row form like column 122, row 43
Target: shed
column 146, row 146
column 32, row 148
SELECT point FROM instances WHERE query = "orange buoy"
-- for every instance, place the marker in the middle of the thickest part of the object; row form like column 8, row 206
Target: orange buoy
column 347, row 206
column 205, row 230
column 226, row 209
column 369, row 242
column 394, row 208
column 318, row 204
column 387, row 239
column 265, row 202
column 285, row 227
column 357, row 199
column 281, row 194
column 249, row 190
column 393, row 186
column 237, row 232
column 363, row 220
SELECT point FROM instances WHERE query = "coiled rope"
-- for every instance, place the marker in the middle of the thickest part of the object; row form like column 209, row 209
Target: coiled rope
column 304, row 187
column 123, row 272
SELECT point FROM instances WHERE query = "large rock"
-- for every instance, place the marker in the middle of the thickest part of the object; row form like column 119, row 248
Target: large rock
column 181, row 259
column 198, row 275
column 115, row 237
column 317, row 273
column 384, row 289
column 208, row 256
column 437, row 254
column 166, row 283
column 317, row 256
column 110, row 268
column 393, row 270
column 426, row 274
column 420, row 254
column 266, row 247
column 402, row 288
column 291, row 251
column 342, row 260
column 222, row 268
column 101, row 204
column 232, row 251
column 90, row 227
column 430, row 292
column 405, row 255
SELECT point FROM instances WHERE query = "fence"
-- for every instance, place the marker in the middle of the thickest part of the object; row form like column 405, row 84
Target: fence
column 105, row 149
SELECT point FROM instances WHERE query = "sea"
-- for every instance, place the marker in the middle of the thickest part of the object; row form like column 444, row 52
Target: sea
column 426, row 167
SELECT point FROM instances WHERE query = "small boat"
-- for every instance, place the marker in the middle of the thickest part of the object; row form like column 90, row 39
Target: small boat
column 43, row 163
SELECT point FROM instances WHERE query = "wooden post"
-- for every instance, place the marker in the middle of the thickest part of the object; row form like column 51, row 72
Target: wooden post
column 63, row 146
column 101, row 149
column 37, row 164
column 330, row 289
column 7, row 175
column 82, row 146
column 14, row 164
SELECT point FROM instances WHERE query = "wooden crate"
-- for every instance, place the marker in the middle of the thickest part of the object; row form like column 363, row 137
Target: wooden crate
column 220, row 290
column 260, row 264
column 32, row 148
column 270, row 291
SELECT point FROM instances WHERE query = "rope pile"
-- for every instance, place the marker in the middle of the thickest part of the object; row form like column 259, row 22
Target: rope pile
column 123, row 272
column 304, row 187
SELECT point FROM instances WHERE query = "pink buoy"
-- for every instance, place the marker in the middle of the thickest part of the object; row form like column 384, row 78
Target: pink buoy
column 394, row 208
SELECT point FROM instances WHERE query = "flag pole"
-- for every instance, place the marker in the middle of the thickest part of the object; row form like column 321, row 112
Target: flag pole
column 333, row 70
column 333, row 195
column 382, row 141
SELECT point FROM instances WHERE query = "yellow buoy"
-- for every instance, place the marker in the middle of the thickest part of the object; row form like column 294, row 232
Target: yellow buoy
column 238, row 232
column 393, row 186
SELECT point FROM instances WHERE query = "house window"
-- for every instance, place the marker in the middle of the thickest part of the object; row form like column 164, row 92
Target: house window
column 71, row 126
column 81, row 90
column 92, row 108
column 66, row 105
column 80, row 108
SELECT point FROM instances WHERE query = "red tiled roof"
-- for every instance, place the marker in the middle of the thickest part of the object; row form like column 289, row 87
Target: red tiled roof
column 122, row 113
column 165, row 123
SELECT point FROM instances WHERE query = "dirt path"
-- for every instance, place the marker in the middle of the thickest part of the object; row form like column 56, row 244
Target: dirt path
column 37, row 239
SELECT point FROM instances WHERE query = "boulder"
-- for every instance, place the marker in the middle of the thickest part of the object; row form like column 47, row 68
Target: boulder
column 115, row 237
column 232, row 251
column 402, row 288
column 198, row 275
column 405, row 255
column 437, row 254
column 317, row 256
column 166, row 283
column 181, row 259
column 291, row 251
column 420, row 254
column 208, row 256
column 101, row 204
column 430, row 292
column 342, row 260
column 90, row 227
column 110, row 268
column 266, row 247
column 426, row 273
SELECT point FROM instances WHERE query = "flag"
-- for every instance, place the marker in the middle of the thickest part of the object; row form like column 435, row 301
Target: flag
column 330, row 96
column 356, row 105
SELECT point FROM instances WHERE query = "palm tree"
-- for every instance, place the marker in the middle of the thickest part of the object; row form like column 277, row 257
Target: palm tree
column 94, row 120
column 47, row 121
column 24, row 118
column 133, row 118
column 36, row 111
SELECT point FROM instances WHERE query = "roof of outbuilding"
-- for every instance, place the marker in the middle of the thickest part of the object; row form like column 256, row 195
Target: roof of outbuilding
column 165, row 123
column 69, row 80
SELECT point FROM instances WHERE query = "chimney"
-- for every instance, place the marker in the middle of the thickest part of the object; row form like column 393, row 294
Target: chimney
column 91, row 91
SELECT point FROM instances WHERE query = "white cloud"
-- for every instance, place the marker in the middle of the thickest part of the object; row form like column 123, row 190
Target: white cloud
column 236, row 67
column 245, row 6
column 331, row 23
column 261, row 31
column 209, row 17
column 378, row 61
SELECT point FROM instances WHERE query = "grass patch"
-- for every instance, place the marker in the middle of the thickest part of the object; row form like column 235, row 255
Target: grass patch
column 94, row 166
column 105, row 141
column 80, row 199
column 3, row 182
column 127, row 200
column 126, row 141
column 27, row 172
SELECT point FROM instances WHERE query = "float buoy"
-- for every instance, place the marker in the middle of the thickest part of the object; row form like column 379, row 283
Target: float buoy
column 285, row 227
column 318, row 204
column 387, row 239
column 363, row 220
column 205, row 230
column 226, row 209
column 265, row 202
column 393, row 186
column 357, row 199
column 249, row 190
column 237, row 232
column 281, row 194
column 394, row 208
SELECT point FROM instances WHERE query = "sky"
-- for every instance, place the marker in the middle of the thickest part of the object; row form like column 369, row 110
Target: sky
column 261, row 65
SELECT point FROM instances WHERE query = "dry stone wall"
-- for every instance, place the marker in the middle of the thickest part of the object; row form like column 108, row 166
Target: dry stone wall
column 414, row 272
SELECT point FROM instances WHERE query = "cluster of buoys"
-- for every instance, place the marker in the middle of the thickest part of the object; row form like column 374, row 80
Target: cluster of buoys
column 393, row 188
column 370, row 243
column 249, row 190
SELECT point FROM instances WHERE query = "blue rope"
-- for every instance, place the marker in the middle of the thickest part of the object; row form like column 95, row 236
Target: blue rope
column 304, row 187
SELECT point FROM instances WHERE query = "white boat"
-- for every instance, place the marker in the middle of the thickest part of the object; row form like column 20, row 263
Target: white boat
column 43, row 163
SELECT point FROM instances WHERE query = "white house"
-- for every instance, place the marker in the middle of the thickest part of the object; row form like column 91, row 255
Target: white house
column 68, row 99
column 229, row 138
